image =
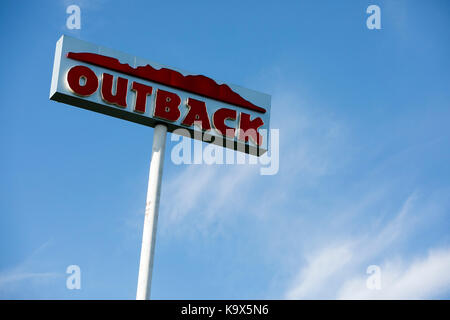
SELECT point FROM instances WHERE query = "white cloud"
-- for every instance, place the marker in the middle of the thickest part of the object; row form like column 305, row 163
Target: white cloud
column 424, row 278
column 319, row 272
column 330, row 273
column 198, row 196
column 26, row 274
column 320, row 233
column 18, row 275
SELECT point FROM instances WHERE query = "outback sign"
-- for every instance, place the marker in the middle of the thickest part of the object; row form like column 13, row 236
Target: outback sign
column 131, row 88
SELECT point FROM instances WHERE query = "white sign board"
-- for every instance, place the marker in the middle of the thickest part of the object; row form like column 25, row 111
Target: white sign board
column 131, row 88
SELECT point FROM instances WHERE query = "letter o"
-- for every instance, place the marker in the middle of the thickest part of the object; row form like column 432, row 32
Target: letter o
column 91, row 81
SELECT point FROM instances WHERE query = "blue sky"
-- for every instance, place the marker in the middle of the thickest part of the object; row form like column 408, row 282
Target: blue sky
column 364, row 173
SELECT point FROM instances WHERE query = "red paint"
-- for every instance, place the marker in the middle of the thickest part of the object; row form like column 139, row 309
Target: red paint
column 166, row 105
column 196, row 84
column 142, row 91
column 197, row 114
column 219, row 118
column 249, row 128
column 91, row 81
column 120, row 96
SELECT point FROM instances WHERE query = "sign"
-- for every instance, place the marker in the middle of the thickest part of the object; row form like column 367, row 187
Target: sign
column 131, row 88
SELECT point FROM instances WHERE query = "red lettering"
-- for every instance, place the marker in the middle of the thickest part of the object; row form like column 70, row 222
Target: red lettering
column 120, row 98
column 249, row 129
column 77, row 73
column 197, row 114
column 219, row 118
column 166, row 105
column 142, row 91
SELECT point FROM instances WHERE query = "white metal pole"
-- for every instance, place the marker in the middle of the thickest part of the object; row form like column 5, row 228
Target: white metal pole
column 151, row 213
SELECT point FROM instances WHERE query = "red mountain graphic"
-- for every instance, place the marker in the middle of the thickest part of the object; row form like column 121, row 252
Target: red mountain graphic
column 198, row 84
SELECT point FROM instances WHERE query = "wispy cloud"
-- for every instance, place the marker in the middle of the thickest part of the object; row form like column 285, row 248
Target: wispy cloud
column 423, row 278
column 19, row 275
column 330, row 273
column 320, row 270
column 317, row 242
column 25, row 273
column 305, row 144
column 185, row 195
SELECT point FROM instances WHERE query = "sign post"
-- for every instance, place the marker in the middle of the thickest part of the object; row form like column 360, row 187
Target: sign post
column 151, row 213
column 120, row 85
